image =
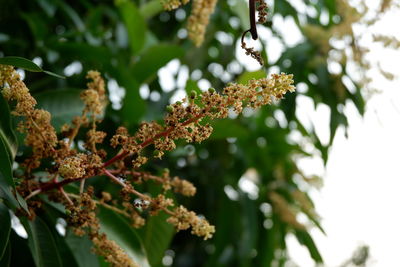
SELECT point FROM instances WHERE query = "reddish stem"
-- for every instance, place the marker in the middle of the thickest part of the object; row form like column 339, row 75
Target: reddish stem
column 53, row 185
column 149, row 141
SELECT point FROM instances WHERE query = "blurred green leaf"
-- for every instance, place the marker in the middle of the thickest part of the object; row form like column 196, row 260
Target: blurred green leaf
column 156, row 235
column 245, row 77
column 25, row 64
column 249, row 228
column 81, row 51
column 5, row 226
column 191, row 85
column 6, row 178
column 284, row 8
column 133, row 105
column 72, row 14
column 305, row 239
column 51, row 218
column 227, row 128
column 150, row 8
column 135, row 24
column 81, row 248
column 358, row 100
column 37, row 24
column 117, row 229
column 153, row 59
column 228, row 220
column 20, row 252
column 63, row 105
column 241, row 10
column 41, row 243
column 6, row 131
column 20, row 62
column 5, row 259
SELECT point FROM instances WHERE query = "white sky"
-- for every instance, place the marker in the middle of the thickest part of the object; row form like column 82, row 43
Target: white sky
column 359, row 202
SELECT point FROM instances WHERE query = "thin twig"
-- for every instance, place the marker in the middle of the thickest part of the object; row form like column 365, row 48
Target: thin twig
column 104, row 205
column 66, row 196
column 33, row 193
column 118, row 181
column 82, row 186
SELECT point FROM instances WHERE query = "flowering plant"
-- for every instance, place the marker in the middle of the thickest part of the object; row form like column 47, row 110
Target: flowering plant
column 68, row 165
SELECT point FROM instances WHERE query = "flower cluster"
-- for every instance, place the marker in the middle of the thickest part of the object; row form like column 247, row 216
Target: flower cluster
column 94, row 97
column 183, row 219
column 40, row 134
column 250, row 51
column 262, row 9
column 83, row 220
column 173, row 4
column 199, row 19
column 183, row 120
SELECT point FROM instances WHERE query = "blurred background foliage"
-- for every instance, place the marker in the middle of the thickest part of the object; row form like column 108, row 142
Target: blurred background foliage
column 247, row 175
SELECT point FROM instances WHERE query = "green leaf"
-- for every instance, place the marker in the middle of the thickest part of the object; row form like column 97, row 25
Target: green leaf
column 22, row 202
column 240, row 9
column 5, row 259
column 117, row 229
column 358, row 100
column 6, row 178
column 305, row 239
column 228, row 221
column 153, row 59
column 63, row 105
column 50, row 216
column 156, row 235
column 5, row 226
column 228, row 128
column 37, row 24
column 73, row 15
column 82, row 51
column 134, row 106
column 26, row 64
column 284, row 8
column 41, row 243
column 6, row 132
column 20, row 253
column 151, row 8
column 249, row 228
column 191, row 85
column 135, row 24
column 81, row 249
column 20, row 62
column 247, row 76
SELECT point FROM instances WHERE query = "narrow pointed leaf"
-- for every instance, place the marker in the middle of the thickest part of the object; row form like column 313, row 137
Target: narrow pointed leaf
column 25, row 64
column 41, row 243
column 5, row 226
column 117, row 229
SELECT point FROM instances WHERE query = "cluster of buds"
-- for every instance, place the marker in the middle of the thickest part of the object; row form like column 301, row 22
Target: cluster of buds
column 183, row 219
column 173, row 4
column 40, row 134
column 199, row 20
column 183, row 120
column 262, row 9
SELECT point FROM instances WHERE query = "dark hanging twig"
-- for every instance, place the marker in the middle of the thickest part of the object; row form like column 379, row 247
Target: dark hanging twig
column 262, row 14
